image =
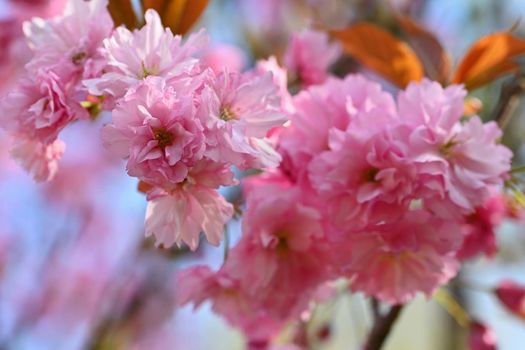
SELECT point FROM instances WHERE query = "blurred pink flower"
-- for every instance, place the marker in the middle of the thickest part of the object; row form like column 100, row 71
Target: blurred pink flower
column 224, row 56
column 395, row 261
column 198, row 284
column 280, row 78
column 512, row 296
column 309, row 55
column 38, row 159
column 481, row 337
column 479, row 228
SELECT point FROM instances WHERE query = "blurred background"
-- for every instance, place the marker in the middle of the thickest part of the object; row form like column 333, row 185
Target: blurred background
column 77, row 273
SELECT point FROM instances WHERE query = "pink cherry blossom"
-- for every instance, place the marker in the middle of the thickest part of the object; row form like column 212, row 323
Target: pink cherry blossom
column 39, row 108
column 155, row 128
column 458, row 162
column 395, row 261
column 221, row 56
column 71, row 41
column 181, row 215
column 39, row 159
column 309, row 55
column 334, row 105
column 241, row 109
column 151, row 50
column 283, row 247
column 363, row 181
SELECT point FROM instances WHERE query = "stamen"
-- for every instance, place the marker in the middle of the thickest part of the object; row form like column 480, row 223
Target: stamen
column 78, row 57
column 227, row 114
column 164, row 137
column 370, row 175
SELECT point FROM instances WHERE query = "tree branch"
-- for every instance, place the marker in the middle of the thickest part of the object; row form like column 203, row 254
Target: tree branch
column 382, row 328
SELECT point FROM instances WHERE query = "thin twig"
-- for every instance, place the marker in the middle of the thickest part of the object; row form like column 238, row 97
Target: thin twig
column 226, row 242
column 518, row 169
column 453, row 307
column 382, row 328
column 508, row 100
column 375, row 309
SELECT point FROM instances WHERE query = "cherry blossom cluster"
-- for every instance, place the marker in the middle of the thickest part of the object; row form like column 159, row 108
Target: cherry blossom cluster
column 179, row 124
column 66, row 51
column 390, row 194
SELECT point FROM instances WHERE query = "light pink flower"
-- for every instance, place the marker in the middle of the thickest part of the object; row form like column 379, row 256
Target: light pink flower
column 154, row 127
column 39, row 159
column 181, row 215
column 240, row 110
column 151, row 50
column 309, row 55
column 457, row 163
column 395, row 261
column 224, row 56
column 72, row 41
column 39, row 108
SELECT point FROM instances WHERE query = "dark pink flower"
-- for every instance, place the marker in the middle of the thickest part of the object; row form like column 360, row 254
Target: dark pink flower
column 481, row 337
column 512, row 296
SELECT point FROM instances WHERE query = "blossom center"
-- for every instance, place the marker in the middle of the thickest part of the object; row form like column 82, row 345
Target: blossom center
column 163, row 137
column 282, row 241
column 78, row 57
column 370, row 175
column 446, row 148
column 147, row 71
column 227, row 114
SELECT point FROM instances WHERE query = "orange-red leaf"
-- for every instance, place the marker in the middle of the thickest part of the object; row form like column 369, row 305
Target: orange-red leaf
column 178, row 15
column 122, row 13
column 430, row 51
column 489, row 58
column 379, row 50
column 157, row 5
column 144, row 187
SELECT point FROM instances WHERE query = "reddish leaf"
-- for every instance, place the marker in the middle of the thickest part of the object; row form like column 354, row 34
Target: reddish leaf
column 157, row 5
column 432, row 54
column 122, row 13
column 144, row 187
column 178, row 15
column 489, row 58
column 379, row 50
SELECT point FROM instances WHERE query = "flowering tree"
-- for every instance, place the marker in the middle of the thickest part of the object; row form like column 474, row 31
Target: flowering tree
column 383, row 186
